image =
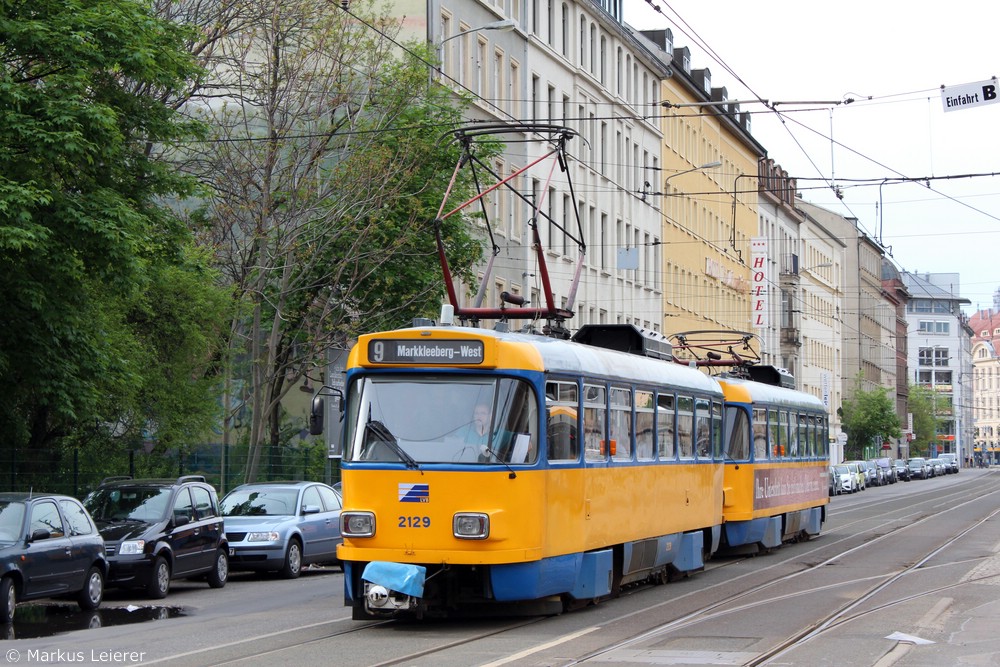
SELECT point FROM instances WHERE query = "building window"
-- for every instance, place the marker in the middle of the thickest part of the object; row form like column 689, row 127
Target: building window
column 565, row 30
column 933, row 327
column 933, row 356
column 482, row 68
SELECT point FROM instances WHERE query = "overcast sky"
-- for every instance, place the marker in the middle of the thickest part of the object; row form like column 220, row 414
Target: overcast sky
column 891, row 58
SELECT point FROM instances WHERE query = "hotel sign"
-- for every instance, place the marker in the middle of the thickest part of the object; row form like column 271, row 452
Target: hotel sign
column 758, row 281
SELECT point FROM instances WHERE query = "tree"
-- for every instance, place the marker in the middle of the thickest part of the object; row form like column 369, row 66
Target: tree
column 324, row 169
column 869, row 418
column 924, row 405
column 88, row 251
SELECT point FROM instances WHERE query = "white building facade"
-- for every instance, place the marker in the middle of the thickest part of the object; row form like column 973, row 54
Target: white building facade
column 570, row 64
column 940, row 355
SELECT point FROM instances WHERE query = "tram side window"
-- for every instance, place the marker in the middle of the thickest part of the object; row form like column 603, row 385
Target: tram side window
column 760, row 434
column 644, row 425
column 788, row 418
column 717, row 451
column 805, row 436
column 594, row 419
column 621, row 423
column 822, row 437
column 665, row 417
column 562, row 400
column 811, row 440
column 685, row 426
column 788, row 427
column 703, row 429
column 738, row 427
column 779, row 437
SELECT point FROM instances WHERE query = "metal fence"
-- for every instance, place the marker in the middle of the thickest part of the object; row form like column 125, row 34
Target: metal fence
column 76, row 473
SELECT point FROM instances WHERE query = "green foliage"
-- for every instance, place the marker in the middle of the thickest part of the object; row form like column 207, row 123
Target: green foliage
column 97, row 281
column 869, row 418
column 400, row 269
column 924, row 405
column 326, row 175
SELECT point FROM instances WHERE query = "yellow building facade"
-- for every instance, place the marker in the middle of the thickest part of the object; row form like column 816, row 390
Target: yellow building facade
column 708, row 190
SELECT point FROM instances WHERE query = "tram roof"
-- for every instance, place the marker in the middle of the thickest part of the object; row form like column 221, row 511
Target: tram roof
column 564, row 356
column 771, row 394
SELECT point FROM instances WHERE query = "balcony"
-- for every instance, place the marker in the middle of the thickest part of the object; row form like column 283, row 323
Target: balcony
column 789, row 265
column 790, row 336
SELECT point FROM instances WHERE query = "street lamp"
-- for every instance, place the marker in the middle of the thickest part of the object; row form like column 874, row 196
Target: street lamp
column 822, row 265
column 645, row 189
column 505, row 25
column 709, row 165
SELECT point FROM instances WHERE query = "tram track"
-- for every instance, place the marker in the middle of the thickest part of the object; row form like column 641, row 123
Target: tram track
column 912, row 517
column 759, row 583
column 840, row 615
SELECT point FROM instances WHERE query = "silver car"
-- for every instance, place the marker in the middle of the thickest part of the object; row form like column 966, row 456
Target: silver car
column 282, row 526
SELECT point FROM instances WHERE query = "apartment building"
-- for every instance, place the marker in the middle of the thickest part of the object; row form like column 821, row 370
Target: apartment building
column 985, row 325
column 572, row 64
column 940, row 355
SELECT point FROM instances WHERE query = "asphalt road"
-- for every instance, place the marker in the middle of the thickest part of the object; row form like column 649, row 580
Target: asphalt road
column 906, row 574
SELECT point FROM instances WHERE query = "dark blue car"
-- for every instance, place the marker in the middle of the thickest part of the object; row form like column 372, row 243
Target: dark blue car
column 49, row 547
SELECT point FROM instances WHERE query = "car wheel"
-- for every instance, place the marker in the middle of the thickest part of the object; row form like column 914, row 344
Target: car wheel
column 93, row 590
column 159, row 580
column 293, row 560
column 8, row 600
column 219, row 574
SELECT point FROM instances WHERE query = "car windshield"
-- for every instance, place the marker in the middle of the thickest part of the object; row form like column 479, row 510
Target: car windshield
column 842, row 470
column 134, row 503
column 11, row 520
column 260, row 502
column 417, row 419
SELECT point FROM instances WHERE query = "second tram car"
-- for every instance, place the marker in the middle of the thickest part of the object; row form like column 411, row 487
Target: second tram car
column 777, row 462
column 485, row 470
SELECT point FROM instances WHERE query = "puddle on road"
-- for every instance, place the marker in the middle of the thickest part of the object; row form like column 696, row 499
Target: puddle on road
column 45, row 620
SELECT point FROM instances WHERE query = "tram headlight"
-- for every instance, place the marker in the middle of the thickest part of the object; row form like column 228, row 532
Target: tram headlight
column 471, row 526
column 357, row 524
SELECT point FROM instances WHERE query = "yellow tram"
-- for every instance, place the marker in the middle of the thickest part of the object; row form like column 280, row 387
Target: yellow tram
column 492, row 471
column 776, row 484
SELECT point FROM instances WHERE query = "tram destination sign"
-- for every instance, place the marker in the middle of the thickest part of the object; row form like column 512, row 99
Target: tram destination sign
column 395, row 351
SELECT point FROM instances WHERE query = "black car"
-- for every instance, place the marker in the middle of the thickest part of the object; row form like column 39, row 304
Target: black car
column 156, row 530
column 49, row 547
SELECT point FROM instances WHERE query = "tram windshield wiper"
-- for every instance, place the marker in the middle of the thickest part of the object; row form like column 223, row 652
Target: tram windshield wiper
column 497, row 458
column 383, row 434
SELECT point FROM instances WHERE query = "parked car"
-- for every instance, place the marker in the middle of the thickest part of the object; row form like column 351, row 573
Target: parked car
column 877, row 477
column 49, row 547
column 938, row 466
column 156, row 530
column 902, row 470
column 918, row 468
column 867, row 471
column 846, row 479
column 888, row 470
column 860, row 474
column 281, row 526
column 951, row 460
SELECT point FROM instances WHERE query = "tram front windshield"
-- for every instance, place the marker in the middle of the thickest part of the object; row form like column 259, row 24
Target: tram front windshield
column 416, row 419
